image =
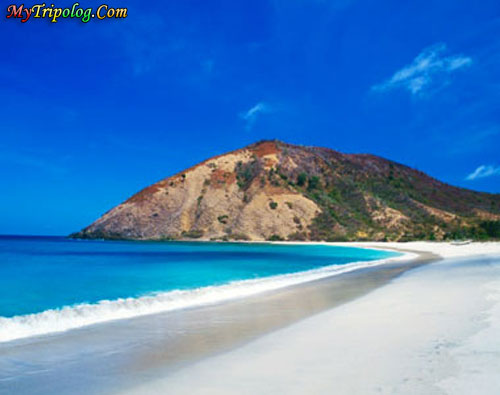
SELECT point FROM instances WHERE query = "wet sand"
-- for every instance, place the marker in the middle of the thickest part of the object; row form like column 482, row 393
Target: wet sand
column 431, row 331
column 205, row 331
column 119, row 355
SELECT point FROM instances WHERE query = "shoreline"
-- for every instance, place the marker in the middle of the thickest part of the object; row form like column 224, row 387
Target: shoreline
column 59, row 320
column 141, row 353
column 169, row 341
column 371, row 333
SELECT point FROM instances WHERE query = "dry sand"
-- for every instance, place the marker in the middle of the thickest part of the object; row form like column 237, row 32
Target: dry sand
column 432, row 330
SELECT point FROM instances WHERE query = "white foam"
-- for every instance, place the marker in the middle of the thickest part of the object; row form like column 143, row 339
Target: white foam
column 433, row 331
column 71, row 317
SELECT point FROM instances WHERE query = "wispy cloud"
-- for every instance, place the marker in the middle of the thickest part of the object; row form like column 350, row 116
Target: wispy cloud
column 250, row 116
column 429, row 67
column 483, row 172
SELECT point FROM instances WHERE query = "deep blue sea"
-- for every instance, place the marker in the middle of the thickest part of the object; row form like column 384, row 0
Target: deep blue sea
column 53, row 283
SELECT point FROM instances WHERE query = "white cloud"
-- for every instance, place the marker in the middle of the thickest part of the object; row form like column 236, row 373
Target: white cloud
column 430, row 65
column 484, row 171
column 253, row 113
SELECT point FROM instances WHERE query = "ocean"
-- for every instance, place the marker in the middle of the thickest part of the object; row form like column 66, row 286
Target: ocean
column 54, row 284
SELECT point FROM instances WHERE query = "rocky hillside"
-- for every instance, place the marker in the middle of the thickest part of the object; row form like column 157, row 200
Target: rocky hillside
column 277, row 191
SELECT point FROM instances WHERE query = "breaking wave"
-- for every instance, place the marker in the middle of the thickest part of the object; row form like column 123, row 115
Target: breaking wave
column 80, row 315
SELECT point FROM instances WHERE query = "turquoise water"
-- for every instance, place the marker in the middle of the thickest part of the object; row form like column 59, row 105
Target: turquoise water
column 38, row 274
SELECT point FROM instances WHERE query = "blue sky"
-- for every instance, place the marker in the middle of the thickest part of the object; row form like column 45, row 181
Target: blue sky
column 91, row 113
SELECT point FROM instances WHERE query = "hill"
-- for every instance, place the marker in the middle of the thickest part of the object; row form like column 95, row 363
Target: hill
column 272, row 190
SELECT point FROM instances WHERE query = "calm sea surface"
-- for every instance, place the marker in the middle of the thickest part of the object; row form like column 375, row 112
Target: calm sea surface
column 66, row 279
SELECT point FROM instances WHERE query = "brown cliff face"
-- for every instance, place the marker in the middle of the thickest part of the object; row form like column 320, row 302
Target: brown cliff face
column 272, row 190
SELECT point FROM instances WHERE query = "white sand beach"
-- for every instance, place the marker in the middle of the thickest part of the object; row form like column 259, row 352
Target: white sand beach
column 432, row 330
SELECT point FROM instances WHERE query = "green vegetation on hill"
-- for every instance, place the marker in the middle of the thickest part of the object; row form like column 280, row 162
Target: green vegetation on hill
column 336, row 197
column 354, row 190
